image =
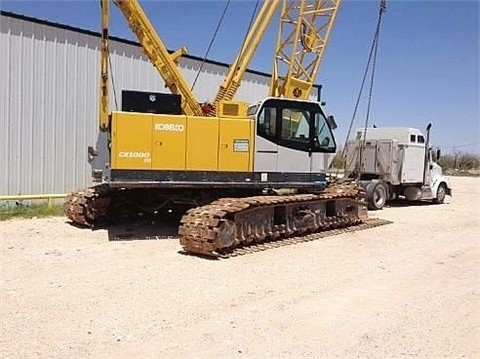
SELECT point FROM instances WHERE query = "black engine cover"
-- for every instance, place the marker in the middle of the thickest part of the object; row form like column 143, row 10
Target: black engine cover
column 151, row 102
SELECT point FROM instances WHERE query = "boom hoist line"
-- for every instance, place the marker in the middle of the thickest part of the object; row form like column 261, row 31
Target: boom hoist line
column 217, row 28
column 372, row 59
column 304, row 31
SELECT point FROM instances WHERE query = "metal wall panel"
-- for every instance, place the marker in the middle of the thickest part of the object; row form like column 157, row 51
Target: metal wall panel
column 48, row 107
column 49, row 95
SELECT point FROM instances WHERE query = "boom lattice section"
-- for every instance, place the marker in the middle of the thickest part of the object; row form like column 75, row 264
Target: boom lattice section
column 305, row 27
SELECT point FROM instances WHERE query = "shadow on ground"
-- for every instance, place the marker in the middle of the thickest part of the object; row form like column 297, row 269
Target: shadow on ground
column 137, row 230
column 399, row 203
column 143, row 230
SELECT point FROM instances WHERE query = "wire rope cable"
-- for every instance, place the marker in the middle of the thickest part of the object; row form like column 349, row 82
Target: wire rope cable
column 252, row 18
column 372, row 59
column 217, row 28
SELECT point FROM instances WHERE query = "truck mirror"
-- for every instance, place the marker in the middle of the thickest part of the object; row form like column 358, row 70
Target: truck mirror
column 331, row 122
column 438, row 154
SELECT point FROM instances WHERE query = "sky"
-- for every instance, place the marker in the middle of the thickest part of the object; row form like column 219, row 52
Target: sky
column 427, row 65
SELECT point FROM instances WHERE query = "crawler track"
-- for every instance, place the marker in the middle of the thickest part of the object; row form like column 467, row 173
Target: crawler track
column 271, row 244
column 228, row 224
column 85, row 207
column 229, row 227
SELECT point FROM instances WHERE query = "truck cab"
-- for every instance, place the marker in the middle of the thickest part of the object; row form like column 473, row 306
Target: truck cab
column 395, row 162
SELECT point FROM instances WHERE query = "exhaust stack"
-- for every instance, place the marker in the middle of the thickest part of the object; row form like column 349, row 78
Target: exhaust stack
column 427, row 146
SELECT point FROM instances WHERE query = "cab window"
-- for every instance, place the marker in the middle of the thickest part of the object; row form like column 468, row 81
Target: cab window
column 267, row 122
column 323, row 135
column 295, row 125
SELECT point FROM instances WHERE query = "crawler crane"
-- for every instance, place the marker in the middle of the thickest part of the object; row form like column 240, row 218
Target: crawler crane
column 225, row 162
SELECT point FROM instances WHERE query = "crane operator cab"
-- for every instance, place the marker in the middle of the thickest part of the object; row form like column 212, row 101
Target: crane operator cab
column 292, row 137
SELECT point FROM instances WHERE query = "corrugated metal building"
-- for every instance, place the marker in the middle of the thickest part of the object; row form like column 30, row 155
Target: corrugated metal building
column 49, row 99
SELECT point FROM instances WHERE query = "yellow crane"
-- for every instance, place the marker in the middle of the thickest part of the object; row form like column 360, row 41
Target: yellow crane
column 229, row 166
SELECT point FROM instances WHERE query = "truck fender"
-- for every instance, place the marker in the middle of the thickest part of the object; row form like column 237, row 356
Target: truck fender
column 437, row 181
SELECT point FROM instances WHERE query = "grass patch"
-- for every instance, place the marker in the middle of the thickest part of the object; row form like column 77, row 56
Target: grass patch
column 20, row 210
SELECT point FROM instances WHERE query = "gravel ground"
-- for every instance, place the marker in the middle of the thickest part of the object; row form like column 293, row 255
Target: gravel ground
column 407, row 289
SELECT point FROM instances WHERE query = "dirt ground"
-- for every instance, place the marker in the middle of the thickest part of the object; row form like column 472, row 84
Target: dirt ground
column 407, row 289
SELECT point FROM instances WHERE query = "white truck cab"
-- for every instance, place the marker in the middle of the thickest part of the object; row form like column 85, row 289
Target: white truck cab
column 393, row 162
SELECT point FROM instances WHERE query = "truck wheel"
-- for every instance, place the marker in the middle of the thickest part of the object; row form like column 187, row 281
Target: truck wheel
column 376, row 195
column 441, row 191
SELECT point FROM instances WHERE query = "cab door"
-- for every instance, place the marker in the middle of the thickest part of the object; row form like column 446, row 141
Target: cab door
column 266, row 149
column 294, row 141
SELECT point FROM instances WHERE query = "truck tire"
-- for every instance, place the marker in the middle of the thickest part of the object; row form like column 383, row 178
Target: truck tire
column 376, row 195
column 441, row 192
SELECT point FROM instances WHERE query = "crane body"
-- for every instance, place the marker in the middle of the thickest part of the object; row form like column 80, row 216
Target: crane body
column 169, row 155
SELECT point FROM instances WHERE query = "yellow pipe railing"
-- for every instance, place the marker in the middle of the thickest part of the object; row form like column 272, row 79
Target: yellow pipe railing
column 23, row 197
